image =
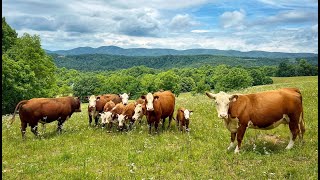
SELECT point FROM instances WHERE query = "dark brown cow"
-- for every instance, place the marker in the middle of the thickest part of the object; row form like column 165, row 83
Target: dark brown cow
column 126, row 116
column 96, row 105
column 264, row 110
column 183, row 117
column 45, row 110
column 159, row 105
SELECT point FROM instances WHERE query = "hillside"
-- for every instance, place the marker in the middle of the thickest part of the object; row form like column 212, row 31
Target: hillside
column 114, row 50
column 97, row 62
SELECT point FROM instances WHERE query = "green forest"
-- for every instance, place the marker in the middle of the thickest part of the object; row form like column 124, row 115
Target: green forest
column 28, row 72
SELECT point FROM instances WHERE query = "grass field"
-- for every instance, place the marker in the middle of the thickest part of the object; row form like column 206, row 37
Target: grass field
column 83, row 152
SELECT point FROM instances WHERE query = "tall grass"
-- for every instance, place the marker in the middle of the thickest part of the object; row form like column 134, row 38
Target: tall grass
column 83, row 152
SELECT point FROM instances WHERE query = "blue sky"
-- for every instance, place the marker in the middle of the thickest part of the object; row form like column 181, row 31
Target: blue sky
column 267, row 25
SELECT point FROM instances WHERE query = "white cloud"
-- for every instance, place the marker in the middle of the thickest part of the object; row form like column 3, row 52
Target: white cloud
column 200, row 31
column 182, row 22
column 234, row 19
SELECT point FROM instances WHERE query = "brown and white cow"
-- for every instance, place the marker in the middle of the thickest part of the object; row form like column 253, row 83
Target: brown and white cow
column 139, row 110
column 263, row 110
column 126, row 116
column 112, row 115
column 159, row 105
column 106, row 112
column 96, row 104
column 183, row 118
column 45, row 110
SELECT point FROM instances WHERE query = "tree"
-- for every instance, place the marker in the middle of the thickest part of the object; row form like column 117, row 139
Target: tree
column 187, row 84
column 27, row 72
column 168, row 80
column 285, row 69
column 9, row 36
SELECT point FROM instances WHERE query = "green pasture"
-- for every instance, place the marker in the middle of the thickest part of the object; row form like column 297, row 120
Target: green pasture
column 83, row 152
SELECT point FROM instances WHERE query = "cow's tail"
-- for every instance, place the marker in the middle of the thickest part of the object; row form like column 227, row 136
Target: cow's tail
column 15, row 110
column 301, row 119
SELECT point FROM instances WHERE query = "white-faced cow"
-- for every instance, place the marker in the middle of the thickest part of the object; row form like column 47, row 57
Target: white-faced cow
column 139, row 110
column 97, row 103
column 159, row 105
column 106, row 114
column 126, row 116
column 112, row 115
column 264, row 110
column 45, row 110
column 183, row 118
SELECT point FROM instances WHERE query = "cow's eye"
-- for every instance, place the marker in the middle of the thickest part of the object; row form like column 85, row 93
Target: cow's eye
column 139, row 112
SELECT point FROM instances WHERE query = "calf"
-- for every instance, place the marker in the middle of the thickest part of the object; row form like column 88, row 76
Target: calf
column 126, row 115
column 183, row 116
column 139, row 110
column 113, row 114
column 264, row 110
column 106, row 112
column 159, row 105
column 45, row 110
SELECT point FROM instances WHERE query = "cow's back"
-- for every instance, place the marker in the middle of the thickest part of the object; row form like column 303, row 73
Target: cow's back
column 167, row 103
column 267, row 107
column 129, row 110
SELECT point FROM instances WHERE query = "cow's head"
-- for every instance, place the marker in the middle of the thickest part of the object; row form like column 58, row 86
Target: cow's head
column 186, row 113
column 78, row 104
column 222, row 101
column 149, row 99
column 124, row 98
column 121, row 120
column 106, row 117
column 93, row 101
column 138, row 112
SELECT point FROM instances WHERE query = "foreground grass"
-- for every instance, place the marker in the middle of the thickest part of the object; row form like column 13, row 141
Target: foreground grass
column 83, row 152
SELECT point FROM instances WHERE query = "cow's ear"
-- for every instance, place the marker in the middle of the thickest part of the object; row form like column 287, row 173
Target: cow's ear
column 210, row 95
column 129, row 94
column 233, row 98
column 87, row 97
column 181, row 110
column 155, row 97
column 98, row 98
column 143, row 97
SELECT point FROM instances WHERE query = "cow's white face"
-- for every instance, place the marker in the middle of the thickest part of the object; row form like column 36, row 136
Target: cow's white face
column 137, row 112
column 93, row 101
column 124, row 98
column 222, row 101
column 149, row 100
column 187, row 113
column 121, row 119
column 106, row 117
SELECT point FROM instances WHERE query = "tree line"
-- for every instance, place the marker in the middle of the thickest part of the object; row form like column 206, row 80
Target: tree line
column 28, row 72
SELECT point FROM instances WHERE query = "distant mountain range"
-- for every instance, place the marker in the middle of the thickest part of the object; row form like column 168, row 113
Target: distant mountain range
column 114, row 50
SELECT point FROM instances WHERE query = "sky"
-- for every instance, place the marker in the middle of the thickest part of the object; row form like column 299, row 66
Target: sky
column 244, row 25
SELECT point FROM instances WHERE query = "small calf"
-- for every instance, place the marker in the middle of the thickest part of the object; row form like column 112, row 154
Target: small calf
column 183, row 116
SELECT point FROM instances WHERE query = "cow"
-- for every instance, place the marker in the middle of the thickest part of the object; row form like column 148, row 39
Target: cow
column 45, row 110
column 96, row 104
column 126, row 116
column 159, row 105
column 104, row 115
column 263, row 110
column 113, row 114
column 139, row 110
column 182, row 118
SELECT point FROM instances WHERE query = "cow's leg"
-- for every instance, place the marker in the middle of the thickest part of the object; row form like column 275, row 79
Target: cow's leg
column 294, row 128
column 23, row 129
column 233, row 137
column 301, row 126
column 156, row 123
column 187, row 125
column 163, row 121
column 90, row 119
column 34, row 129
column 60, row 124
column 170, row 119
column 240, row 133
column 96, row 120
column 181, row 126
column 178, row 126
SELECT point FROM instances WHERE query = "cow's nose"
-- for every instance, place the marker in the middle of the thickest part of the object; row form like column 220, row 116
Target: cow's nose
column 149, row 109
column 223, row 115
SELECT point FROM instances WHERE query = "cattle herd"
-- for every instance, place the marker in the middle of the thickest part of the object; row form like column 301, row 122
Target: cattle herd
column 263, row 110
